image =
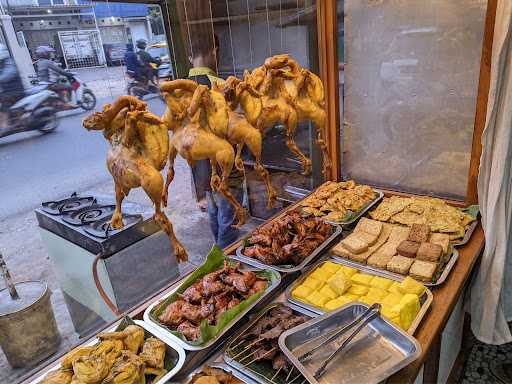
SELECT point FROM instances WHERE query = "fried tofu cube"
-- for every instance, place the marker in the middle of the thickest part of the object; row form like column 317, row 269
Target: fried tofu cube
column 301, row 292
column 373, row 227
column 395, row 288
column 331, row 267
column 381, row 282
column 368, row 238
column 328, row 292
column 379, row 259
column 409, row 285
column 361, row 278
column 408, row 248
column 332, row 304
column 376, row 294
column 419, row 233
column 367, row 300
column 320, row 275
column 392, row 299
column 349, row 296
column 423, row 270
column 358, row 289
column 429, row 252
column 313, row 283
column 340, row 283
column 354, row 244
column 349, row 271
column 441, row 239
column 409, row 307
column 317, row 299
column 400, row 264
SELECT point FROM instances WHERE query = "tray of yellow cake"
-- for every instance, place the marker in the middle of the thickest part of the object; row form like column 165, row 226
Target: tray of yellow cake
column 329, row 285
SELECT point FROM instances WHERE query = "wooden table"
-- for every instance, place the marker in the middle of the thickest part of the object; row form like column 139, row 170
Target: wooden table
column 431, row 327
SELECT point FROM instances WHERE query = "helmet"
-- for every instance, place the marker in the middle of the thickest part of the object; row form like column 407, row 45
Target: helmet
column 4, row 52
column 141, row 44
column 44, row 51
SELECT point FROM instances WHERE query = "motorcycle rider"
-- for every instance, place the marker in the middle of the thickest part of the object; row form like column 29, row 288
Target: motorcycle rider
column 48, row 71
column 131, row 61
column 145, row 60
column 11, row 85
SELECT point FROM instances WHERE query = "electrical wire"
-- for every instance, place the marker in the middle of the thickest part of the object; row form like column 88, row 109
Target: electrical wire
column 172, row 39
column 188, row 28
column 268, row 30
column 250, row 33
column 213, row 40
column 281, row 24
column 231, row 39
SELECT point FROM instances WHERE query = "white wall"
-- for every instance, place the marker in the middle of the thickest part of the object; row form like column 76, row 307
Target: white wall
column 20, row 54
column 139, row 30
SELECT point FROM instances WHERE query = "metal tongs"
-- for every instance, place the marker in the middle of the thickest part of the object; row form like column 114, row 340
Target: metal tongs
column 361, row 321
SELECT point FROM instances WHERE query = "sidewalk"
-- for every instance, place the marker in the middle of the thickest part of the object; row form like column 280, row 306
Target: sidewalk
column 104, row 81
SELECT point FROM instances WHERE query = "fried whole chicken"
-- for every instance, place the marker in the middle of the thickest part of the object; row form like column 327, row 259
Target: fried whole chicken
column 209, row 297
column 139, row 145
column 288, row 239
column 194, row 137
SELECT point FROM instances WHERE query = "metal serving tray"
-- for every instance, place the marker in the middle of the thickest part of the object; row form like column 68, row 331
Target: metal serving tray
column 361, row 212
column 249, row 260
column 378, row 351
column 467, row 235
column 425, row 300
column 247, row 370
column 164, row 333
column 392, row 275
column 171, row 348
column 224, row 367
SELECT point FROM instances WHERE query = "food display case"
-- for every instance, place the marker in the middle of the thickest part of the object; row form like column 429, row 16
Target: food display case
column 407, row 131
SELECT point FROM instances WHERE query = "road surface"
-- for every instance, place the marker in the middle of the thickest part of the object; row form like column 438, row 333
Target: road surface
column 37, row 167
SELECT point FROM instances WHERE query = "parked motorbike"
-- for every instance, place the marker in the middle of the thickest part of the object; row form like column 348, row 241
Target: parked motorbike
column 76, row 94
column 37, row 110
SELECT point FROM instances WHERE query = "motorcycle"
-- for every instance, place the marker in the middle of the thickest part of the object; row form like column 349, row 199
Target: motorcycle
column 37, row 110
column 74, row 89
column 141, row 87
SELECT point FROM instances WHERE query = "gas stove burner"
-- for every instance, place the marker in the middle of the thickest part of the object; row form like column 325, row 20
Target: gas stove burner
column 67, row 205
column 103, row 228
column 87, row 215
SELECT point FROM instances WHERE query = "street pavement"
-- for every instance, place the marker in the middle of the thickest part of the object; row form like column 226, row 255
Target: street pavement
column 38, row 167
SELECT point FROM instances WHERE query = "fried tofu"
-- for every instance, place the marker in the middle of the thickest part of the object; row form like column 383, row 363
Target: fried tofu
column 301, row 292
column 338, row 302
column 328, row 292
column 312, row 283
column 340, row 284
column 408, row 248
column 429, row 252
column 419, row 233
column 361, row 278
column 354, row 244
column 398, row 234
column 379, row 260
column 409, row 285
column 381, row 282
column 369, row 238
column 423, row 270
column 400, row 264
column 441, row 239
column 372, row 227
column 358, row 290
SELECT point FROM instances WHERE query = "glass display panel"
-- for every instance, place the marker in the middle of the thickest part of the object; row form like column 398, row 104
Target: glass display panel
column 410, row 93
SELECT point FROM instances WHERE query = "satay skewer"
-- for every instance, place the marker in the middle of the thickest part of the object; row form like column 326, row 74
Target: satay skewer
column 250, row 354
column 246, row 348
column 296, row 377
column 275, row 374
column 289, row 373
column 260, row 357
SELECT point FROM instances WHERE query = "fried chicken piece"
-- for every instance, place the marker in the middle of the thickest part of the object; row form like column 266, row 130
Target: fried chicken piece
column 258, row 286
column 90, row 369
column 172, row 314
column 128, row 369
column 194, row 293
column 196, row 313
column 241, row 281
column 190, row 331
column 67, row 360
column 153, row 353
column 212, row 285
column 233, row 303
column 60, row 376
column 132, row 337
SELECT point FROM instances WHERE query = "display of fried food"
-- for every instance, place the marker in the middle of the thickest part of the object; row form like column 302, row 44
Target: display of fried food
column 263, row 337
column 112, row 360
column 441, row 217
column 210, row 375
column 209, row 297
column 333, row 201
column 288, row 239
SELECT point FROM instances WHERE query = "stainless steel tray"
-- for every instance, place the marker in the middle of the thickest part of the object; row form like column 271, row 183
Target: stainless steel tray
column 171, row 348
column 222, row 366
column 425, row 300
column 467, row 235
column 247, row 370
column 361, row 212
column 392, row 275
column 164, row 332
column 249, row 260
column 378, row 351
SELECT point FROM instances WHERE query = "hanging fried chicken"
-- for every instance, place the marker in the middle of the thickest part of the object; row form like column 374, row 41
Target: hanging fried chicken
column 306, row 91
column 194, row 139
column 139, row 144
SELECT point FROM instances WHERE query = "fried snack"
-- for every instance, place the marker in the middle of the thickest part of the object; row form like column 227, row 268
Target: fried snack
column 379, row 260
column 67, row 360
column 423, row 270
column 132, row 337
column 60, row 376
column 153, row 353
column 419, row 233
column 90, row 369
column 441, row 217
column 408, row 248
column 354, row 244
column 441, row 239
column 333, row 201
column 429, row 252
column 369, row 226
column 400, row 264
column 128, row 369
